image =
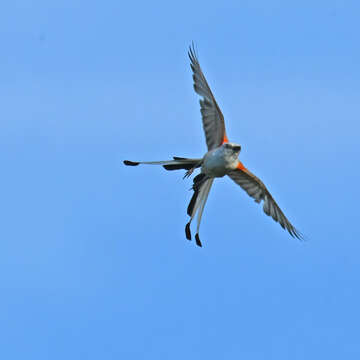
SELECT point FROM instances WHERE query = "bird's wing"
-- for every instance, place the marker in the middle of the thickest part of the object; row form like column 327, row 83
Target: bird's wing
column 258, row 191
column 213, row 119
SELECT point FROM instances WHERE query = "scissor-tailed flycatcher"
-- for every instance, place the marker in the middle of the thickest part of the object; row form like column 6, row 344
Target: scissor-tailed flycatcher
column 221, row 159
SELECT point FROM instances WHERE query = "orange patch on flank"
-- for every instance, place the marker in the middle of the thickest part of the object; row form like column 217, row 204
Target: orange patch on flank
column 240, row 166
column 225, row 139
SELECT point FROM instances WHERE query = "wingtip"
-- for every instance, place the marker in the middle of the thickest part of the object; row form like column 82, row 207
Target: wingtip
column 299, row 235
column 191, row 46
column 295, row 233
column 192, row 53
column 131, row 163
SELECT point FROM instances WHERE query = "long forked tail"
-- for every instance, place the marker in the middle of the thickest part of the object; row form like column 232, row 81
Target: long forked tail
column 176, row 164
column 202, row 185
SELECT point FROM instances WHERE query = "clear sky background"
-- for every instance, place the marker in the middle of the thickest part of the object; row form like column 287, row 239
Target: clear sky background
column 94, row 263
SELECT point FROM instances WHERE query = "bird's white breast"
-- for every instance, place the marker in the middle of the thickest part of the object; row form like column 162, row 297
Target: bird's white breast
column 218, row 162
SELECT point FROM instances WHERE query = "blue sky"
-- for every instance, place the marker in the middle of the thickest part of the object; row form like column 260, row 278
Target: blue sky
column 93, row 258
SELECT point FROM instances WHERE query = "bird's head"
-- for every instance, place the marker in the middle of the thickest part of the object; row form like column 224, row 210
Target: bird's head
column 232, row 149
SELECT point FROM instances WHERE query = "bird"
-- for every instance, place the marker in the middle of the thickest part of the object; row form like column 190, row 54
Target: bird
column 222, row 158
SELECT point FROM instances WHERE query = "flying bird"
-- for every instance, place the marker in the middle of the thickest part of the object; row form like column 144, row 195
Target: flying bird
column 221, row 159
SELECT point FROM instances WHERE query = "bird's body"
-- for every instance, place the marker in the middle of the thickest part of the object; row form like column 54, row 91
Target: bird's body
column 220, row 160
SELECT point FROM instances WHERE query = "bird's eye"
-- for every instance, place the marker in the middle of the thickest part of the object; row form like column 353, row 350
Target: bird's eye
column 236, row 148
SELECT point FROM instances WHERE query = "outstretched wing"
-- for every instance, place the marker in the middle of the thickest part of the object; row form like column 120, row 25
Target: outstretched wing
column 258, row 191
column 213, row 119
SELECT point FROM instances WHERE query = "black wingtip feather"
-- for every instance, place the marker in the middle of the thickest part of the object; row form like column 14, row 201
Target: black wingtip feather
column 297, row 234
column 197, row 238
column 192, row 53
column 131, row 163
column 187, row 231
